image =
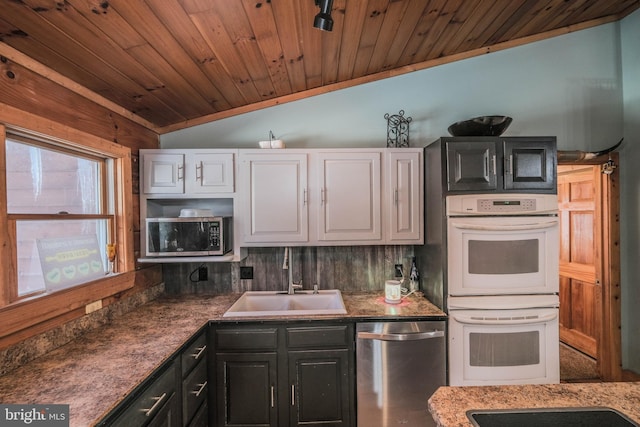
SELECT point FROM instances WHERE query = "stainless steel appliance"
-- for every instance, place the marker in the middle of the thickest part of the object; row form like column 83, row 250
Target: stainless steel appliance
column 503, row 284
column 188, row 236
column 399, row 365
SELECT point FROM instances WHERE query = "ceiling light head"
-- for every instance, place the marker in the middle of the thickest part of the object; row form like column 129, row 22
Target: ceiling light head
column 323, row 20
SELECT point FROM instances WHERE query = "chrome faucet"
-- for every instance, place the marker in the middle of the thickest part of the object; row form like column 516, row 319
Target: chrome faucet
column 286, row 265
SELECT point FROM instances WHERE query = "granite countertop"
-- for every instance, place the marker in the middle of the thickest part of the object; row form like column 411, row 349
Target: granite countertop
column 449, row 405
column 96, row 371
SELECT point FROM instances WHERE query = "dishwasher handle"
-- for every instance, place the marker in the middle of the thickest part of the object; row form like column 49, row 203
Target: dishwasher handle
column 415, row 336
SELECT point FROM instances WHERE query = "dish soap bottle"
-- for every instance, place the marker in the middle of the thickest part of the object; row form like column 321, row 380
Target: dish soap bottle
column 414, row 277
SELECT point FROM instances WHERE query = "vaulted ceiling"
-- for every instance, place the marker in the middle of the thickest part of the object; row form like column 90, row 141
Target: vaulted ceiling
column 175, row 63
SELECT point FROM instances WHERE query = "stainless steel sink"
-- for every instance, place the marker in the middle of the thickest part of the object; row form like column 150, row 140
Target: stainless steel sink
column 552, row 417
column 272, row 303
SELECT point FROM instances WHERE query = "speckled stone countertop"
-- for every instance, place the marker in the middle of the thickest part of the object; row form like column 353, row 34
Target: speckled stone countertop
column 96, row 371
column 449, row 405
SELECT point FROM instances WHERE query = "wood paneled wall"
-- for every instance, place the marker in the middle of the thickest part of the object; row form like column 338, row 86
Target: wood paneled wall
column 348, row 268
column 31, row 101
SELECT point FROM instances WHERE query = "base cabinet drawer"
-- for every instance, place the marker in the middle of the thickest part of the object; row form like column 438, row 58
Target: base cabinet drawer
column 201, row 419
column 156, row 405
column 194, row 392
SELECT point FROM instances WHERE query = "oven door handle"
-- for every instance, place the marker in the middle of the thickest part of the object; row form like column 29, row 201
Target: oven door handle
column 486, row 227
column 516, row 320
column 416, row 336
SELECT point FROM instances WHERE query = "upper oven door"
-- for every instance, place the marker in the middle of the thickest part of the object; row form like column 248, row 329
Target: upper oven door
column 502, row 255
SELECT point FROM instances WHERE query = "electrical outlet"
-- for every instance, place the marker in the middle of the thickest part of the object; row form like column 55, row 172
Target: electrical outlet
column 94, row 306
column 203, row 274
column 398, row 270
column 246, row 272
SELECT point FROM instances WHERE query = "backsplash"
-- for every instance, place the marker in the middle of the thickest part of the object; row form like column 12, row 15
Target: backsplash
column 348, row 268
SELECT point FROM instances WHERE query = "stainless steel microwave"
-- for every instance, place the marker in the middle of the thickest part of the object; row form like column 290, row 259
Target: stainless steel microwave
column 189, row 236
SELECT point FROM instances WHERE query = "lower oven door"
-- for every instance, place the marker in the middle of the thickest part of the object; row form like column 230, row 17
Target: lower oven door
column 495, row 347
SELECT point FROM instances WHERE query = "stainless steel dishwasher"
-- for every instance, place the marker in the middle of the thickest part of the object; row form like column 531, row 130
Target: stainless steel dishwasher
column 399, row 366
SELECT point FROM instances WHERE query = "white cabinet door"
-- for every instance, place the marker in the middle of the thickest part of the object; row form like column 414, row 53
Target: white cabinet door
column 209, row 172
column 274, row 187
column 195, row 172
column 405, row 188
column 350, row 189
column 163, row 173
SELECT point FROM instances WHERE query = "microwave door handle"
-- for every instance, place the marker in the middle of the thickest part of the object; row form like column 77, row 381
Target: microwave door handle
column 400, row 337
column 487, row 227
column 470, row 320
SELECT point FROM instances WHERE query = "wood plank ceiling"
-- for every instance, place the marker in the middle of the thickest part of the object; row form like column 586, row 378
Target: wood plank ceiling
column 175, row 63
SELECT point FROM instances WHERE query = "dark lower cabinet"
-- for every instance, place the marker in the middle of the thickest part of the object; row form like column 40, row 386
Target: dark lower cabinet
column 154, row 404
column 284, row 375
column 319, row 380
column 245, row 389
column 174, row 395
column 167, row 415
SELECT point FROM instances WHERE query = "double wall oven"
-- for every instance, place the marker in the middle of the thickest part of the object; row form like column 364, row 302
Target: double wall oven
column 502, row 288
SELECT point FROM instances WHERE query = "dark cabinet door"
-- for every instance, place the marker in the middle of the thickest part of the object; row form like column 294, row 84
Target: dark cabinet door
column 471, row 166
column 529, row 164
column 319, row 388
column 246, row 389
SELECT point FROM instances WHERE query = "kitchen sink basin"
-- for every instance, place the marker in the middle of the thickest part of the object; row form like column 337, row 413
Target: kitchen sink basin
column 542, row 417
column 271, row 303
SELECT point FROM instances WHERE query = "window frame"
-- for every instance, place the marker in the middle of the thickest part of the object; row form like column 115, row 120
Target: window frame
column 105, row 203
column 44, row 311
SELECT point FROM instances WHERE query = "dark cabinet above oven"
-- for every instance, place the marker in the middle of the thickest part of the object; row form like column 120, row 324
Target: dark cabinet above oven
column 493, row 164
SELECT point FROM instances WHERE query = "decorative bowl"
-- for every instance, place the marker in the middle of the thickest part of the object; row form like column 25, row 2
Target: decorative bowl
column 481, row 126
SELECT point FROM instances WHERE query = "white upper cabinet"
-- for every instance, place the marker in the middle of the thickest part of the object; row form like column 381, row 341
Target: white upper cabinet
column 349, row 191
column 213, row 173
column 329, row 197
column 163, row 173
column 293, row 197
column 188, row 172
column 405, row 177
column 274, row 194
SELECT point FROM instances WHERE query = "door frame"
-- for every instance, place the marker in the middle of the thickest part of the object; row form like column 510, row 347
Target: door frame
column 609, row 352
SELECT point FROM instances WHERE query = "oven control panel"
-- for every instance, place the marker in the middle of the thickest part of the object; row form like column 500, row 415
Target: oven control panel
column 502, row 204
column 498, row 205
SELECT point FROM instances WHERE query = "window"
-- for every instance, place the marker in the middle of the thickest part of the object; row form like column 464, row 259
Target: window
column 60, row 211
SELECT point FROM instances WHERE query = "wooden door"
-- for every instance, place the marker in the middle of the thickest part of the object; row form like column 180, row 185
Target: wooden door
column 580, row 256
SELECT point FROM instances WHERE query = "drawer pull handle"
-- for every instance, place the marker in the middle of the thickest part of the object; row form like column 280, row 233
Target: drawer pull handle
column 148, row 412
column 201, row 389
column 199, row 350
column 293, row 395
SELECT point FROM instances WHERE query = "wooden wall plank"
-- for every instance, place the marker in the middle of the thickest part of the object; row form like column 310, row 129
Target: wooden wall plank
column 27, row 91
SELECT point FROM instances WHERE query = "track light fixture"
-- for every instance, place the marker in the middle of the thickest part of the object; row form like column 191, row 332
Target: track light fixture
column 323, row 19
